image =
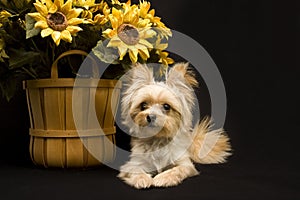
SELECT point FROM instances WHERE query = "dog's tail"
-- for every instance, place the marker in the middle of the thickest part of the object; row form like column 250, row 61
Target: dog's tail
column 209, row 146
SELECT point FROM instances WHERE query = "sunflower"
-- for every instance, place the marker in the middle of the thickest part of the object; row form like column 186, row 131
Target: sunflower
column 57, row 19
column 156, row 21
column 102, row 11
column 129, row 33
column 101, row 19
column 159, row 48
column 164, row 59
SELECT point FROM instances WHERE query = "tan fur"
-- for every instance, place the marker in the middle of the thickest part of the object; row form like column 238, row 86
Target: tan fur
column 174, row 176
column 163, row 147
column 209, row 146
column 139, row 180
column 188, row 75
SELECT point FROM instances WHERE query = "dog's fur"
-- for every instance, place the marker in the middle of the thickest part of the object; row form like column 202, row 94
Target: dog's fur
column 164, row 141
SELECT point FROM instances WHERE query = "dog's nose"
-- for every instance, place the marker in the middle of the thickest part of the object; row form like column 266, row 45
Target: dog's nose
column 151, row 118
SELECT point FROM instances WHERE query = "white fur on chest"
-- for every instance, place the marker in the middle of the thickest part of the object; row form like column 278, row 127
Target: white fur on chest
column 160, row 153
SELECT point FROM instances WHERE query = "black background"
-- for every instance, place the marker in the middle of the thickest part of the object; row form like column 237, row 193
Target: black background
column 255, row 45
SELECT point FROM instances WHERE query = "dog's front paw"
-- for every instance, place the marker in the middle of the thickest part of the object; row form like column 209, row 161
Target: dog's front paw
column 167, row 179
column 139, row 181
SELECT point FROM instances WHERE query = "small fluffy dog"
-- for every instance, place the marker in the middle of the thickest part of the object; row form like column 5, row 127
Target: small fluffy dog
column 164, row 142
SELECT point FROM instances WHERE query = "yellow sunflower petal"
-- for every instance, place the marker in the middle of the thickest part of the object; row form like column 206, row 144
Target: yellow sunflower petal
column 74, row 13
column 100, row 19
column 84, row 3
column 143, row 51
column 37, row 16
column 170, row 61
column 66, row 36
column 106, row 10
column 145, row 43
column 3, row 55
column 75, row 21
column 56, row 37
column 146, row 33
column 131, row 17
column 163, row 54
column 114, row 42
column 73, row 29
column 122, row 51
column 143, row 23
column 144, row 8
column 135, row 17
column 42, row 9
column 133, row 54
column 52, row 9
column 152, row 12
column 48, row 3
column 46, row 32
column 59, row 3
column 115, row 21
column 41, row 25
column 162, row 46
column 66, row 7
column 109, row 33
column 116, row 18
column 144, row 54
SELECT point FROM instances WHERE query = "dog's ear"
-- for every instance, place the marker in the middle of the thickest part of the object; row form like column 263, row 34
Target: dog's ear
column 140, row 74
column 180, row 75
column 136, row 78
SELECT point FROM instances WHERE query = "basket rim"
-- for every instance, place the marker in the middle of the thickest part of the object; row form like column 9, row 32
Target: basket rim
column 69, row 83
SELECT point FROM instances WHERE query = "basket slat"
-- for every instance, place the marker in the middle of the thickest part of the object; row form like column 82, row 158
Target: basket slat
column 36, row 107
column 55, row 154
column 39, row 151
column 101, row 105
column 29, row 110
column 54, row 109
column 74, row 152
column 92, row 117
column 80, row 107
column 109, row 118
column 95, row 146
column 31, row 146
column 70, row 125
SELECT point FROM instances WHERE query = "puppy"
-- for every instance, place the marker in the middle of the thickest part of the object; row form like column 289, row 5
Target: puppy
column 163, row 140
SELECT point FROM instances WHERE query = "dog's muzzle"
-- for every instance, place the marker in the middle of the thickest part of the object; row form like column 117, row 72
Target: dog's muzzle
column 151, row 118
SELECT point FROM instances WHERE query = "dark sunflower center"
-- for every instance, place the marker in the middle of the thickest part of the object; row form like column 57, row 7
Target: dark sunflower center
column 128, row 34
column 57, row 21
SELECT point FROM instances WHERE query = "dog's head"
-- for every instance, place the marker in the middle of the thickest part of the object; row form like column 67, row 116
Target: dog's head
column 158, row 109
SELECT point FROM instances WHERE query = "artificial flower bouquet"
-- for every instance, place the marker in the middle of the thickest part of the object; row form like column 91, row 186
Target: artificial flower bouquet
column 34, row 33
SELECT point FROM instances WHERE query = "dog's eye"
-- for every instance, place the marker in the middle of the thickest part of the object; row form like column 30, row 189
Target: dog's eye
column 167, row 106
column 143, row 106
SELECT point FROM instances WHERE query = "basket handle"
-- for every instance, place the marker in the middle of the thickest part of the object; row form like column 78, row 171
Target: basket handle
column 54, row 71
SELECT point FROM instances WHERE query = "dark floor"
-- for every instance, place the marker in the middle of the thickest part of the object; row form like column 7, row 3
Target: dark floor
column 226, row 181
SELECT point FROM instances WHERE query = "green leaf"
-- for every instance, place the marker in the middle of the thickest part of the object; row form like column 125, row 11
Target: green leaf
column 20, row 57
column 106, row 54
column 8, row 87
column 30, row 30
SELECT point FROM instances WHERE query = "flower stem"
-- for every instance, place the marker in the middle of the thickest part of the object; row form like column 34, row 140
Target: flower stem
column 37, row 49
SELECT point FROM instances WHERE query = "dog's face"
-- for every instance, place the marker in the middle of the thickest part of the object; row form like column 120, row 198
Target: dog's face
column 157, row 109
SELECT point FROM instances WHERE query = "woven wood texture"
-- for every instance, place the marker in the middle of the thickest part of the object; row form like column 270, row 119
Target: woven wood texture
column 55, row 140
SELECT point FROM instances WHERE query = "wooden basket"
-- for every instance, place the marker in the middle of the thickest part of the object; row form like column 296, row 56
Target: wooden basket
column 54, row 134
